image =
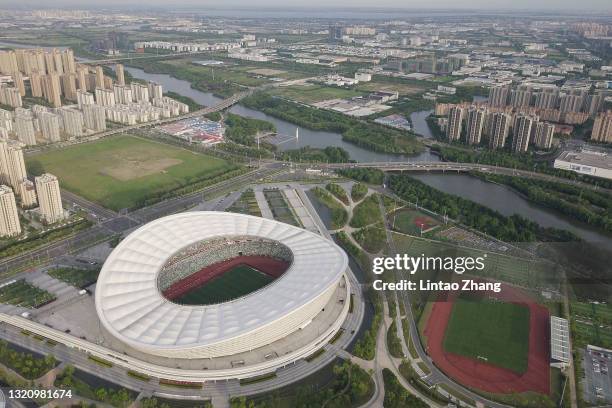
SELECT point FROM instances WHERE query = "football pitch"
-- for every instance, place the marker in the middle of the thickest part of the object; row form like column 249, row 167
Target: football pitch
column 489, row 331
column 237, row 282
column 124, row 171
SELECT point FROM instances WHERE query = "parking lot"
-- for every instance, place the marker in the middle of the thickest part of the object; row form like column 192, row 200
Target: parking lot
column 597, row 381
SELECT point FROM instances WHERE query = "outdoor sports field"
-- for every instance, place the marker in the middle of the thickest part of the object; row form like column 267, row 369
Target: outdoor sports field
column 119, row 172
column 492, row 331
column 233, row 284
column 413, row 222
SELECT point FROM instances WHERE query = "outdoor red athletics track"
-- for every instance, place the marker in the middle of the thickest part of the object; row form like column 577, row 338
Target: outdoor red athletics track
column 477, row 374
column 270, row 266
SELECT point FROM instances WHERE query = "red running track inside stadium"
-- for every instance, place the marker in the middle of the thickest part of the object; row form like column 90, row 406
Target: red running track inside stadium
column 270, row 266
column 487, row 377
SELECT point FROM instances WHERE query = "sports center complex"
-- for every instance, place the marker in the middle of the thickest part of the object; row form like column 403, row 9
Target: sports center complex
column 203, row 296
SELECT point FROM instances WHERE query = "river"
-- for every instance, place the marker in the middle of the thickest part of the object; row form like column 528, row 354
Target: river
column 307, row 137
column 494, row 196
column 509, row 202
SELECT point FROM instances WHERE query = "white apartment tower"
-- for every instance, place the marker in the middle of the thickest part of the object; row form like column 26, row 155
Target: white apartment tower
column 24, row 127
column 9, row 217
column 522, row 132
column 544, row 133
column 27, row 194
column 49, row 198
column 50, row 126
column 500, row 125
column 475, row 121
column 94, row 117
column 455, row 121
column 15, row 163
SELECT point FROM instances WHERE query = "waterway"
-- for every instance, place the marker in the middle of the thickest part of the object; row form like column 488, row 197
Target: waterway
column 494, row 196
column 508, row 202
column 307, row 137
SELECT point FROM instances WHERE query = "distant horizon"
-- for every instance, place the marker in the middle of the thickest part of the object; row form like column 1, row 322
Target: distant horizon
column 314, row 6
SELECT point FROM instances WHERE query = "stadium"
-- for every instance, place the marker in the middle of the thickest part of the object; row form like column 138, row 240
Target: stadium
column 228, row 287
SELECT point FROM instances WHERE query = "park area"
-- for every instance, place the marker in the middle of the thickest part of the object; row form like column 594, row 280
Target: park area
column 126, row 171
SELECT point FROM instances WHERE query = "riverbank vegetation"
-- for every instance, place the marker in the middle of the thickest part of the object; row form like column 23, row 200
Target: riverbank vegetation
column 364, row 174
column 361, row 133
column 510, row 229
column 588, row 206
column 242, row 130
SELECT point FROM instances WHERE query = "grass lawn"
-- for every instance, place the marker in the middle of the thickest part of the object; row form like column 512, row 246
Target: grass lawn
column 233, row 284
column 315, row 93
column 124, row 171
column 495, row 331
column 366, row 212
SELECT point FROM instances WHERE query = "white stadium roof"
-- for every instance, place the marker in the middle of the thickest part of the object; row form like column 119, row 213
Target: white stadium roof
column 131, row 307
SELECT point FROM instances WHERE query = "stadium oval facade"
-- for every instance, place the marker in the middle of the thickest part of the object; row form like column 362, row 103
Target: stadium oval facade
column 136, row 292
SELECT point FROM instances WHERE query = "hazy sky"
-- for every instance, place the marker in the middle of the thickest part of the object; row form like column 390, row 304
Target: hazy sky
column 552, row 5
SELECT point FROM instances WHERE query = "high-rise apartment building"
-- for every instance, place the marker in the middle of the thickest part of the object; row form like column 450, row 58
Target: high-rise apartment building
column 521, row 97
column 99, row 77
column 50, row 126
column 123, row 94
column 49, row 198
column 73, row 121
column 68, row 61
column 4, row 164
column 140, row 92
column 498, row 96
column 155, row 90
column 105, row 97
column 52, row 89
column 500, row 125
column 602, row 128
column 16, row 163
column 94, row 117
column 120, row 74
column 9, row 217
column 82, row 77
column 455, row 122
column 27, row 194
column 8, row 62
column 18, row 82
column 544, row 133
column 521, row 132
column 69, row 86
column 24, row 127
column 36, row 84
column 547, row 98
column 475, row 122
column 84, row 98
column 10, row 96
column 572, row 101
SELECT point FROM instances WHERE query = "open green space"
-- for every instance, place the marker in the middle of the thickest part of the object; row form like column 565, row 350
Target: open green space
column 22, row 293
column 366, row 212
column 79, row 278
column 237, row 282
column 315, row 93
column 372, row 238
column 28, row 365
column 491, row 331
column 126, row 171
column 337, row 214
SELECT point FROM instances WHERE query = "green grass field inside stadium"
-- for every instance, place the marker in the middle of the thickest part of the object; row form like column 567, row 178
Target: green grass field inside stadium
column 490, row 331
column 236, row 282
column 120, row 172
